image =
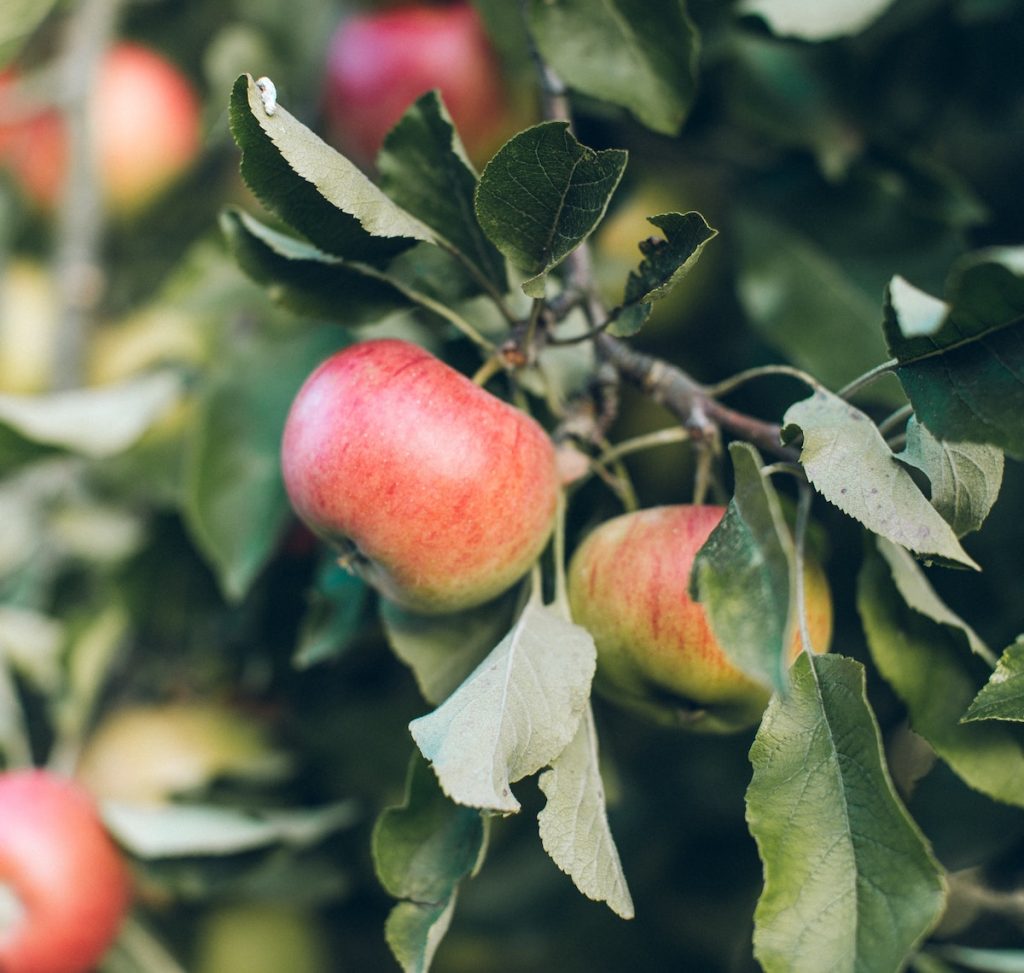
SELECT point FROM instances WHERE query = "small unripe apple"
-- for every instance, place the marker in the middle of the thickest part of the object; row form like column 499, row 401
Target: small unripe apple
column 64, row 887
column 145, row 124
column 441, row 494
column 657, row 655
column 380, row 62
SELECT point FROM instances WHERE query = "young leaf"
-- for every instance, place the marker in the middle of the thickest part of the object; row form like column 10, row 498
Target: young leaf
column 516, row 712
column 180, row 830
column 95, row 422
column 850, row 883
column 335, row 611
column 1002, row 697
column 442, row 650
column 745, row 576
column 915, row 654
column 850, row 465
column 666, row 262
column 574, row 823
column 965, row 477
column 421, row 851
column 307, row 280
column 235, row 504
column 965, row 376
column 542, row 195
column 813, row 21
column 313, row 188
column 424, row 168
column 640, row 54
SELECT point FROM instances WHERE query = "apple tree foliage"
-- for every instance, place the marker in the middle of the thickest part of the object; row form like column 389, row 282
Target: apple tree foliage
column 817, row 320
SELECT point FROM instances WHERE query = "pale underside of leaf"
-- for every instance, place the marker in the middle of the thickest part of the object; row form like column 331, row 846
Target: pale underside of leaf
column 574, row 824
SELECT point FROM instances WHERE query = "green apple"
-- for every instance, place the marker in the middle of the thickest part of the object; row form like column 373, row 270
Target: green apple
column 657, row 655
column 438, row 493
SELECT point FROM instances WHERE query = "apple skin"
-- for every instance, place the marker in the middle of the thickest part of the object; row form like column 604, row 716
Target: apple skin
column 442, row 495
column 628, row 586
column 63, row 869
column 380, row 62
column 145, row 118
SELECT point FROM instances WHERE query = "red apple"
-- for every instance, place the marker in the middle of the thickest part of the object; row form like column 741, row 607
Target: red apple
column 442, row 494
column 145, row 119
column 380, row 62
column 64, row 887
column 657, row 655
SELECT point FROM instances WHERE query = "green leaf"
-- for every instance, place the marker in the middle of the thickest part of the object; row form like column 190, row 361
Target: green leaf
column 235, row 502
column 422, row 850
column 745, row 576
column 850, row 465
column 639, row 54
column 516, row 712
column 802, row 302
column 335, row 612
column 850, row 882
column 542, row 195
column 314, row 189
column 424, row 168
column 984, row 960
column 666, row 262
column 190, row 830
column 307, row 280
column 574, row 823
column 1002, row 697
column 95, row 422
column 965, row 477
column 915, row 654
column 963, row 369
column 18, row 19
column 442, row 650
column 811, row 20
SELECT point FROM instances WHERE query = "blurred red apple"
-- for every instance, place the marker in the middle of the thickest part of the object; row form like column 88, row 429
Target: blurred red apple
column 380, row 62
column 441, row 494
column 64, row 888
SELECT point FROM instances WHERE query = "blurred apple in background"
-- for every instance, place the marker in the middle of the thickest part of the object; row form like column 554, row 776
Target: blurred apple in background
column 145, row 118
column 380, row 62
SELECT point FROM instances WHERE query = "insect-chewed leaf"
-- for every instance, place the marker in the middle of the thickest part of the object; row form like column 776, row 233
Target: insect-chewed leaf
column 1002, row 697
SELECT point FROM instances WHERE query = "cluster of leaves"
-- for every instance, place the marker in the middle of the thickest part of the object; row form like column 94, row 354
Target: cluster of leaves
column 828, row 196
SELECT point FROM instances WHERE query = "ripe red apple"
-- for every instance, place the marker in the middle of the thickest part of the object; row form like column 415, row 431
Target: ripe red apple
column 64, row 887
column 145, row 119
column 442, row 494
column 657, row 655
column 380, row 62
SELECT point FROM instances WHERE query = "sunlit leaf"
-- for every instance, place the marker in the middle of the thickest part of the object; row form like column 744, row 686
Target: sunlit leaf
column 515, row 713
column 574, row 823
column 640, row 54
column 850, row 882
column 850, row 464
column 1002, row 697
column 542, row 195
column 814, row 21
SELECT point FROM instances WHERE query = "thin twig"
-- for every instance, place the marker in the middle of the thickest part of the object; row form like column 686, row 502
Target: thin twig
column 862, row 381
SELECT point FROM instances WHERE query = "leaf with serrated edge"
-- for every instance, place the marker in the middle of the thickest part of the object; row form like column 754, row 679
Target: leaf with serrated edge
column 423, row 167
column 514, row 714
column 850, row 883
column 1002, row 697
column 744, row 575
column 640, row 54
column 849, row 464
column 313, row 188
column 95, row 422
column 965, row 477
column 964, row 370
column 666, row 262
column 542, row 195
column 442, row 650
column 306, row 280
column 574, row 824
column 916, row 654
